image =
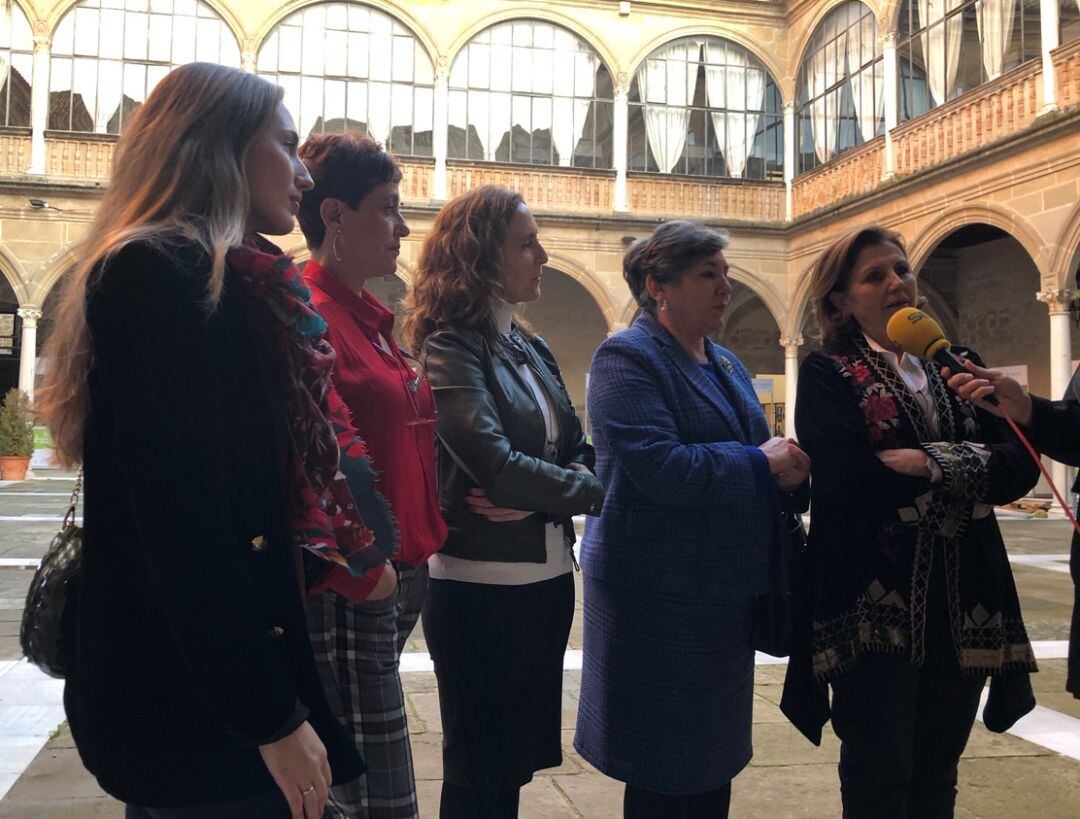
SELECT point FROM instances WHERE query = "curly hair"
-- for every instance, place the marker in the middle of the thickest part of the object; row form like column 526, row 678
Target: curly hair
column 832, row 274
column 667, row 253
column 459, row 266
column 343, row 166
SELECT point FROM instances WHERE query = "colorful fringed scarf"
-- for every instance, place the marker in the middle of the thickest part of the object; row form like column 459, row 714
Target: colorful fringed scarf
column 335, row 512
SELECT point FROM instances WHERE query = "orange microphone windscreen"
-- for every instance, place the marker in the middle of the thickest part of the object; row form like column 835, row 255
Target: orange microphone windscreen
column 916, row 332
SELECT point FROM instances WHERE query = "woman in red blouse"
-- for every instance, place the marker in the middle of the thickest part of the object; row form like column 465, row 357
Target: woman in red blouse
column 353, row 226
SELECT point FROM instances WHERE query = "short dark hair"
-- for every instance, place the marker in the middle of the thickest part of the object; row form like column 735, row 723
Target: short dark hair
column 343, row 166
column 666, row 254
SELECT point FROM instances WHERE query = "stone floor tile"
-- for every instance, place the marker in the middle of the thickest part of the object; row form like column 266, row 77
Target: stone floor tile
column 779, row 743
column 985, row 743
column 1011, row 788
column 593, row 795
column 790, row 792
column 766, row 710
column 540, row 799
column 427, row 755
column 425, row 706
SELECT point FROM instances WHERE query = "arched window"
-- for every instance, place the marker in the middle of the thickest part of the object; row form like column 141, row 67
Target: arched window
column 531, row 92
column 349, row 67
column 16, row 66
column 705, row 106
column 840, row 87
column 948, row 47
column 107, row 56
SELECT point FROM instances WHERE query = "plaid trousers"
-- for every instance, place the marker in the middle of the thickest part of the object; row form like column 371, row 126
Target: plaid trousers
column 357, row 650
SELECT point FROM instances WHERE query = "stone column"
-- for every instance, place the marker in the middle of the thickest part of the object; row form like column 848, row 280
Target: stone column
column 789, row 157
column 1051, row 33
column 1058, row 303
column 620, row 135
column 791, row 381
column 441, row 131
column 28, row 353
column 39, row 103
column 249, row 57
column 892, row 99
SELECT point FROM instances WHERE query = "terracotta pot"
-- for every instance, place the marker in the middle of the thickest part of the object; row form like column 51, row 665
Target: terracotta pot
column 13, row 467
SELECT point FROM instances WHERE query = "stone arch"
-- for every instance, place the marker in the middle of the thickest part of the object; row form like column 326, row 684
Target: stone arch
column 545, row 14
column 1007, row 220
column 394, row 10
column 1067, row 254
column 797, row 47
column 222, row 9
column 800, row 303
column 722, row 31
column 52, row 270
column 773, row 303
column 587, row 279
column 16, row 277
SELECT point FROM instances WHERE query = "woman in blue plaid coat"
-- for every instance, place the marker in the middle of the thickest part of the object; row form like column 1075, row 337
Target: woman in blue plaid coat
column 674, row 562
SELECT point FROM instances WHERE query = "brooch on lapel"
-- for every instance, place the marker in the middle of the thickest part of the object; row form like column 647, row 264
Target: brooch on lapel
column 725, row 365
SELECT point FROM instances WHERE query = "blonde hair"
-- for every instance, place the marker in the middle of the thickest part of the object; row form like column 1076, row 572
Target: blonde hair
column 460, row 265
column 178, row 173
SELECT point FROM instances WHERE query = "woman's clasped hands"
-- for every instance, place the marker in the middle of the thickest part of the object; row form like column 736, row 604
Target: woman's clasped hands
column 789, row 465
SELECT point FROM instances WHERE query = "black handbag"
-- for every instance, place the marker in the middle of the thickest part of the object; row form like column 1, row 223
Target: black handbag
column 774, row 611
column 44, row 636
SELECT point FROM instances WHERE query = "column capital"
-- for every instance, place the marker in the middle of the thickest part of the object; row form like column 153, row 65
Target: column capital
column 792, row 343
column 1058, row 301
column 249, row 56
column 622, row 84
column 789, row 107
column 30, row 315
column 42, row 41
column 889, row 39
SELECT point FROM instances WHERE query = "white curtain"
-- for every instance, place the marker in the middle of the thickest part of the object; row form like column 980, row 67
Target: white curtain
column 666, row 84
column 826, row 67
column 568, row 122
column 995, row 19
column 868, row 86
column 941, row 45
column 7, row 37
column 739, row 85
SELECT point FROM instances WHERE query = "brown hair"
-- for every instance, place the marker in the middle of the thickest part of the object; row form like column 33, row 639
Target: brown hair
column 178, row 172
column 667, row 253
column 832, row 274
column 343, row 166
column 459, row 266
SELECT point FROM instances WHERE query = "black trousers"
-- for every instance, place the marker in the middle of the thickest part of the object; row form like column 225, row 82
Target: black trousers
column 903, row 728
column 639, row 803
column 271, row 805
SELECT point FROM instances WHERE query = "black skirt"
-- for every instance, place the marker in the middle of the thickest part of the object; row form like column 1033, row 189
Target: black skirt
column 498, row 655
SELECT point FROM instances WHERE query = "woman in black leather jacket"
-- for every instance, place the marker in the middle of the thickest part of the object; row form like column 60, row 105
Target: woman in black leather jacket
column 514, row 467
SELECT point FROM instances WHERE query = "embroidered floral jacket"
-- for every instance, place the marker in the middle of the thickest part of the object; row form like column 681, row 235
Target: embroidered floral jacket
column 873, row 530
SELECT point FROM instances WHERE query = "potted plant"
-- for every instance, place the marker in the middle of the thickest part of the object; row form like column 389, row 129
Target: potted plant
column 16, row 435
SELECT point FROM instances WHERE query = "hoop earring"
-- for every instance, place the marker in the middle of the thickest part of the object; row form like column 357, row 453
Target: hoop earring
column 333, row 247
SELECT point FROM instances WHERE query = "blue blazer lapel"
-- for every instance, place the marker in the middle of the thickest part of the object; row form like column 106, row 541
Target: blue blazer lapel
column 749, row 409
column 692, row 372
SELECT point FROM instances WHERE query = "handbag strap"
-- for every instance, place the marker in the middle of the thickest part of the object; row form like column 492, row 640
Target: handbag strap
column 69, row 518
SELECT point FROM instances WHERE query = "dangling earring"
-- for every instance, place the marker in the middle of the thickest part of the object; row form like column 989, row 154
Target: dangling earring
column 663, row 304
column 333, row 247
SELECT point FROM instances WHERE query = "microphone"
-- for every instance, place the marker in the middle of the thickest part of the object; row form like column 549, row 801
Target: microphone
column 920, row 335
